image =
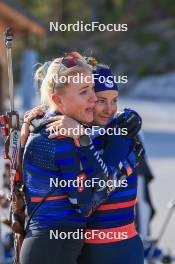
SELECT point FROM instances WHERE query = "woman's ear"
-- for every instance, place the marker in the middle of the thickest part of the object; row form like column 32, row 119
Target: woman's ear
column 56, row 99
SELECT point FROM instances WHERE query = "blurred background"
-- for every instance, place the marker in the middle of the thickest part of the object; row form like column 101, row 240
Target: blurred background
column 145, row 53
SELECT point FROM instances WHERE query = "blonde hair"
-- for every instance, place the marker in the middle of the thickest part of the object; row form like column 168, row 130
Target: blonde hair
column 49, row 74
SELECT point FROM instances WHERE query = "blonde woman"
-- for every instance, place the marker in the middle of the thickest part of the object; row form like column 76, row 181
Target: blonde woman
column 57, row 212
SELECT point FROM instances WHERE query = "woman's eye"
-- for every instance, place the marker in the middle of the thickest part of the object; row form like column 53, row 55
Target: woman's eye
column 100, row 101
column 84, row 92
column 114, row 101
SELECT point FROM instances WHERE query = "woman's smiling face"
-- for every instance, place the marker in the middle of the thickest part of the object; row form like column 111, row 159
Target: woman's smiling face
column 105, row 107
column 78, row 100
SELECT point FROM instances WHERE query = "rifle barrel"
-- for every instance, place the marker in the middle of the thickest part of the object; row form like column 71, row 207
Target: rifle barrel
column 8, row 44
column 10, row 74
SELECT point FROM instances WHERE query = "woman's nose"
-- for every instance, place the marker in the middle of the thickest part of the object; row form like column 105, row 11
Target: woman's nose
column 108, row 109
column 93, row 97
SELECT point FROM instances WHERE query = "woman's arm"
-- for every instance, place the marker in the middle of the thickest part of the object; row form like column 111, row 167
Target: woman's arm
column 125, row 166
column 82, row 186
column 89, row 171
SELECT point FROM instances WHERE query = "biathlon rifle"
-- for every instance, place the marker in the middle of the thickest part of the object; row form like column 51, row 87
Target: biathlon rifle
column 10, row 129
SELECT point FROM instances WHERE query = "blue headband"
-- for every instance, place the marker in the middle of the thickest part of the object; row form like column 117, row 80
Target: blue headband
column 103, row 79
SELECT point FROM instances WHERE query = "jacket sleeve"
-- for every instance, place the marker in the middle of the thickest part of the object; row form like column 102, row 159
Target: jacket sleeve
column 115, row 159
column 78, row 183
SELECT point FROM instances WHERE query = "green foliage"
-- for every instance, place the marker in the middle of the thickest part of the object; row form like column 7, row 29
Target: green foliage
column 145, row 37
column 137, row 13
column 39, row 8
column 107, row 9
column 75, row 10
column 167, row 5
column 111, row 11
column 144, row 71
column 164, row 47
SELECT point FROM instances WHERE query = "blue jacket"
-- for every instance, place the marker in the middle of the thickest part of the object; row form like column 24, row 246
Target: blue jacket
column 47, row 160
column 118, row 209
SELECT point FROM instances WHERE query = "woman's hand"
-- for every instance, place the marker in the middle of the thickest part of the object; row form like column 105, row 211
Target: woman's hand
column 28, row 117
column 33, row 113
column 64, row 126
